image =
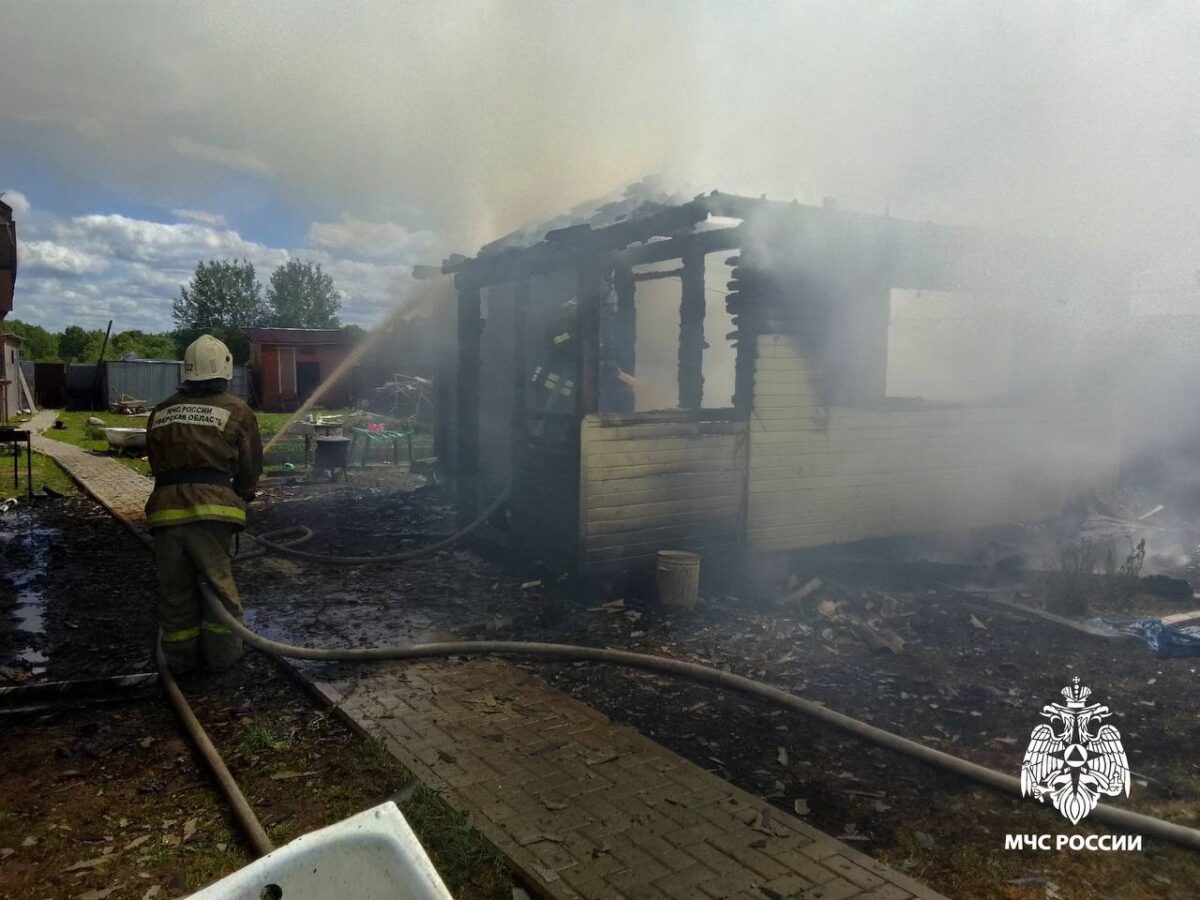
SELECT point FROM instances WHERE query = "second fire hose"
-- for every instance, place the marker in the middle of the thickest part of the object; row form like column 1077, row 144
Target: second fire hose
column 1125, row 820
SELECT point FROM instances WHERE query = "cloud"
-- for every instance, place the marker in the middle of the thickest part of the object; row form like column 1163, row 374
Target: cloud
column 1062, row 117
column 50, row 258
column 402, row 130
column 158, row 244
column 216, row 220
column 239, row 159
column 87, row 269
column 18, row 201
column 370, row 240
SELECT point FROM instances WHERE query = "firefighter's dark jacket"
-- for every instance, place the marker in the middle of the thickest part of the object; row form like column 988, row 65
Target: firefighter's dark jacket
column 206, row 455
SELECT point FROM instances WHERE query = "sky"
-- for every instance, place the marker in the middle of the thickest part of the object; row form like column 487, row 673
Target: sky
column 137, row 138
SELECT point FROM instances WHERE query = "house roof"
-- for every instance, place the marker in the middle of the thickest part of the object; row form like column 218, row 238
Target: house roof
column 913, row 253
column 306, row 336
column 639, row 199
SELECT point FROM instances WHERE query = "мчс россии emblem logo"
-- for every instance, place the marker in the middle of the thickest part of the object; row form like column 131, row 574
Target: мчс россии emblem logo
column 1074, row 759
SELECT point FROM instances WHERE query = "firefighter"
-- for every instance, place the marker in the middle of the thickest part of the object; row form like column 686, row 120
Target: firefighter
column 206, row 456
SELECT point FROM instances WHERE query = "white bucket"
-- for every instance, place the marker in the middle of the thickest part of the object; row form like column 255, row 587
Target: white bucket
column 678, row 578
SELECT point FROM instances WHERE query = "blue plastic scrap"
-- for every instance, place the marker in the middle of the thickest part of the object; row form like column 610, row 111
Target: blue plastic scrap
column 1166, row 640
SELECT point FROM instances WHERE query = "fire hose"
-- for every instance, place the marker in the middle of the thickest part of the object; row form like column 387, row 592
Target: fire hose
column 242, row 811
column 1122, row 819
column 283, row 540
column 271, row 541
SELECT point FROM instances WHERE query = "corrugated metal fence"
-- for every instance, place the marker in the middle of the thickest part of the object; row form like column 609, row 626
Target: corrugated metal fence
column 240, row 385
column 151, row 380
column 81, row 385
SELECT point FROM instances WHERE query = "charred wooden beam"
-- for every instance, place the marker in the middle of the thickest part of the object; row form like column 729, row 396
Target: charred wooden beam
column 544, row 258
column 561, row 247
column 740, row 303
column 466, row 464
column 520, row 367
column 673, row 248
column 625, row 351
column 904, row 253
column 593, row 287
column 658, row 276
column 667, row 220
column 513, row 265
column 691, row 330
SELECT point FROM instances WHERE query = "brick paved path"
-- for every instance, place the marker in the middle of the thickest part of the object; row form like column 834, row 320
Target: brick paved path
column 122, row 491
column 581, row 807
column 586, row 808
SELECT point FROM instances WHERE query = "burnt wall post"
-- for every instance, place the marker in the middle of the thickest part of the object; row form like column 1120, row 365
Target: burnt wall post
column 592, row 291
column 520, row 338
column 625, row 351
column 691, row 330
column 466, row 464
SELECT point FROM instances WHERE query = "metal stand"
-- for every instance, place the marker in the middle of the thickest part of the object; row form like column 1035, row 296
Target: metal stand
column 13, row 436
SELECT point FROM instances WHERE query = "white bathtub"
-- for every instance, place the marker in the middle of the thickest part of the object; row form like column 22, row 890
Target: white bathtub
column 126, row 439
column 370, row 855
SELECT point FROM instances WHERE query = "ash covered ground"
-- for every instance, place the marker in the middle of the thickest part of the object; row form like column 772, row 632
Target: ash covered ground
column 952, row 671
column 914, row 648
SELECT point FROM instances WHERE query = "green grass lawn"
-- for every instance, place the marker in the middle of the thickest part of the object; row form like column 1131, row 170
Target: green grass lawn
column 79, row 433
column 289, row 450
column 46, row 473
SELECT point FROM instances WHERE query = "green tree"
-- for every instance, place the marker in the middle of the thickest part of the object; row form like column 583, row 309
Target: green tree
column 223, row 299
column 72, row 343
column 91, row 350
column 142, row 344
column 233, row 338
column 222, row 294
column 39, row 344
column 300, row 295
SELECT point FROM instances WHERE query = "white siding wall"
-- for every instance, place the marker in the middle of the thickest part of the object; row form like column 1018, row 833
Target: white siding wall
column 823, row 475
column 659, row 484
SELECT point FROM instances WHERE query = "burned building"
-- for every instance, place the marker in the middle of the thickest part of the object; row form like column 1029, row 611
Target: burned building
column 8, row 259
column 747, row 377
column 11, row 392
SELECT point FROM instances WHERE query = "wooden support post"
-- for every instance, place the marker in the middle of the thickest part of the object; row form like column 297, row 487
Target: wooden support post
column 626, row 331
column 592, row 291
column 691, row 330
column 518, row 435
column 445, row 369
column 520, row 367
column 466, row 464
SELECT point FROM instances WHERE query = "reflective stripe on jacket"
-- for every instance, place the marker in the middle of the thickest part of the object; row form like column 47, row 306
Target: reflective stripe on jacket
column 202, row 432
column 190, row 634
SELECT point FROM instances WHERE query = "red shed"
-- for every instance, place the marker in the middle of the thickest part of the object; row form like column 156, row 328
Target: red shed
column 288, row 364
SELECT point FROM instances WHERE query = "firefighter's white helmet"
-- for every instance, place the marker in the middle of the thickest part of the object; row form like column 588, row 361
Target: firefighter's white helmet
column 206, row 358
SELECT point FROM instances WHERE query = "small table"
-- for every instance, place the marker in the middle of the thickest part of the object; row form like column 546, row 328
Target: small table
column 372, row 437
column 9, row 435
